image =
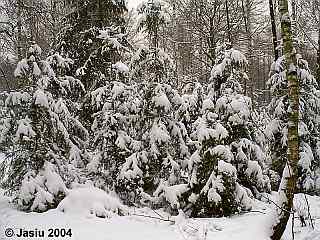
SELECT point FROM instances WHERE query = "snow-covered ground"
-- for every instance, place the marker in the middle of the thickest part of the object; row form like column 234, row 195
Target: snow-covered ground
column 83, row 227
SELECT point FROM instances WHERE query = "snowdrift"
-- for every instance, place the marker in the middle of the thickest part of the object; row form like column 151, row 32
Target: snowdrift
column 91, row 201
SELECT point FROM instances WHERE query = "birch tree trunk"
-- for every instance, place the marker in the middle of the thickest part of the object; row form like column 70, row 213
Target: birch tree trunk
column 274, row 31
column 289, row 177
column 318, row 57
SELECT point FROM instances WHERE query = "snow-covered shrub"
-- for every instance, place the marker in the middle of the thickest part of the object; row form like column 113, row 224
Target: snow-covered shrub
column 41, row 137
column 172, row 194
column 277, row 130
column 91, row 201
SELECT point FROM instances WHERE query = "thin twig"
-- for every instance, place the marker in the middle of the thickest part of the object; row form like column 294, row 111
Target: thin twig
column 253, row 211
column 270, row 201
column 157, row 214
column 162, row 219
column 305, row 197
column 292, row 226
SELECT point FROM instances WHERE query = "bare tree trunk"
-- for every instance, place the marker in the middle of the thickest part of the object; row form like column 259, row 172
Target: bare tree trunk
column 246, row 9
column 55, row 18
column 318, row 57
column 100, row 15
column 211, row 42
column 294, row 22
column 289, row 178
column 228, row 22
column 248, row 42
column 274, row 31
column 19, row 27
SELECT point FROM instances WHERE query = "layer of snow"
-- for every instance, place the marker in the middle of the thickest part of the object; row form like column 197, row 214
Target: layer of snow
column 121, row 67
column 24, row 129
column 41, row 99
column 249, row 226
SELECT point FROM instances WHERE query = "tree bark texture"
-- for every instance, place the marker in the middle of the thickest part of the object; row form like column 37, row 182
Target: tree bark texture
column 287, row 190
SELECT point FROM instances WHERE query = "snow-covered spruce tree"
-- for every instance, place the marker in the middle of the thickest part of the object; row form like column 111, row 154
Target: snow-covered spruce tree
column 78, row 38
column 212, row 178
column 40, row 137
column 191, row 105
column 228, row 71
column 113, row 128
column 93, row 36
column 152, row 15
column 228, row 167
column 151, row 63
column 104, row 65
column 154, row 168
column 109, row 110
column 84, row 14
column 159, row 146
column 236, row 115
column 190, row 110
column 277, row 129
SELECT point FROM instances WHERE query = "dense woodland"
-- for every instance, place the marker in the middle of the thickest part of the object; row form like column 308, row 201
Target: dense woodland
column 192, row 105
